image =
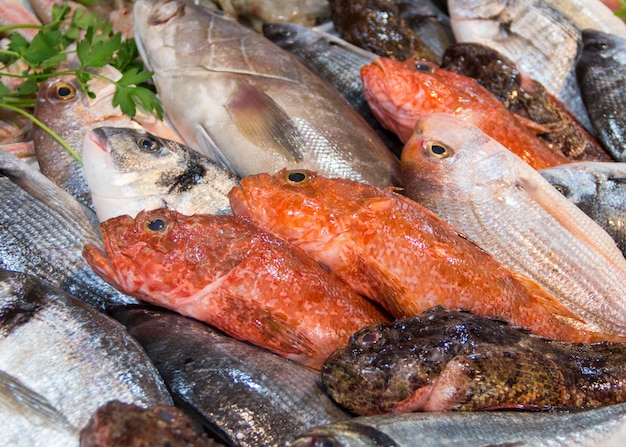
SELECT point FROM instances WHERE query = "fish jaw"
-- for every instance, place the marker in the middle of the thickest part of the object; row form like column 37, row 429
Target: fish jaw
column 103, row 266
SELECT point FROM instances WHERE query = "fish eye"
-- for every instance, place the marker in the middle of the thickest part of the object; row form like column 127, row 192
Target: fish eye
column 562, row 189
column 598, row 45
column 368, row 338
column 424, row 67
column 157, row 224
column 438, row 150
column 148, row 144
column 64, row 91
column 295, row 177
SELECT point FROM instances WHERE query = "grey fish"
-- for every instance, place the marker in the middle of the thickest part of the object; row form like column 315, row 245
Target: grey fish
column 604, row 426
column 71, row 357
column 245, row 102
column 43, row 230
column 541, row 37
column 248, row 395
column 337, row 61
column 429, row 22
column 601, row 75
column 130, row 170
column 598, row 189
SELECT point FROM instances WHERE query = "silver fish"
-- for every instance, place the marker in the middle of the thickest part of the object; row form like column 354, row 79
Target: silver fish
column 507, row 208
column 245, row 102
column 250, row 396
column 604, row 426
column 597, row 188
column 541, row 37
column 64, row 359
column 43, row 230
column 601, row 75
column 130, row 170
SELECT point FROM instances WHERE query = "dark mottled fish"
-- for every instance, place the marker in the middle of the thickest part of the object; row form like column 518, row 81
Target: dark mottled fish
column 597, row 188
column 247, row 395
column 601, row 75
column 64, row 359
column 591, row 428
column 43, row 230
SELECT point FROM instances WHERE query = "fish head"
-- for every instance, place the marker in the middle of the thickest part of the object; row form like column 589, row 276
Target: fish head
column 597, row 45
column 341, row 434
column 400, row 92
column 575, row 182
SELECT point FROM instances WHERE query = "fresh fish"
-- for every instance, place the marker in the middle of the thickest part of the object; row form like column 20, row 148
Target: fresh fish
column 445, row 360
column 401, row 92
column 601, row 74
column 541, row 36
column 15, row 12
column 130, row 170
column 337, row 61
column 43, row 230
column 64, row 107
column 378, row 26
column 258, row 12
column 511, row 211
column 605, row 426
column 223, row 270
column 597, row 188
column 245, row 102
column 394, row 251
column 525, row 97
column 248, row 395
column 64, row 360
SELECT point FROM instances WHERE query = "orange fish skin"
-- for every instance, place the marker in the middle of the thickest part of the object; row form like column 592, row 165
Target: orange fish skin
column 401, row 92
column 224, row 271
column 396, row 252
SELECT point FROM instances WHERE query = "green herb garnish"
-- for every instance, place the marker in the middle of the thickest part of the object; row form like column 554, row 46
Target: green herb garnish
column 621, row 12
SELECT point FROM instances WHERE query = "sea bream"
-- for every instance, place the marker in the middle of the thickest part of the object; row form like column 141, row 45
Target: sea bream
column 511, row 211
column 129, row 170
column 243, row 101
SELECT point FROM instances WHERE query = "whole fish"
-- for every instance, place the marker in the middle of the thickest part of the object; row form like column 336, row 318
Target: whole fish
column 130, row 170
column 401, row 92
column 598, row 189
column 511, row 211
column 600, row 426
column 541, row 36
column 444, row 360
column 601, row 75
column 337, row 61
column 71, row 357
column 396, row 252
column 245, row 102
column 242, row 280
column 43, row 230
column 248, row 395
column 526, row 98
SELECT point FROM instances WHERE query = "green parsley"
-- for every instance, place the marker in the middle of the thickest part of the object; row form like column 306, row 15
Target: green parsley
column 621, row 12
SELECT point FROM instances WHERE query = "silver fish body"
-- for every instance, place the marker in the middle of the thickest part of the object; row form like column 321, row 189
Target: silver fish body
column 507, row 208
column 43, row 230
column 130, row 170
column 597, row 188
column 245, row 102
column 61, row 360
column 250, row 396
column 604, row 426
column 541, row 37
column 601, row 75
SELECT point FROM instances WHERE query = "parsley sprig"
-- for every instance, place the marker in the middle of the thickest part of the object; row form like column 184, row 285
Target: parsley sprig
column 621, row 12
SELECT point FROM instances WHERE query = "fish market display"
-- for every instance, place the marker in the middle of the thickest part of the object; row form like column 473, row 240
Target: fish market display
column 598, row 189
column 454, row 360
column 60, row 361
column 242, row 280
column 43, row 230
column 511, row 211
column 396, row 252
column 601, row 75
column 603, row 426
column 399, row 93
column 245, row 102
column 249, row 396
column 130, row 170
column 541, row 37
column 526, row 98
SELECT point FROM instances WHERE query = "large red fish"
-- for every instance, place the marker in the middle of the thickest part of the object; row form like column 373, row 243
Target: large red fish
column 242, row 280
column 401, row 92
column 396, row 252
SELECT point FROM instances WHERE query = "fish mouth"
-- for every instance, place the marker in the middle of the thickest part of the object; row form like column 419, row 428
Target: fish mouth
column 99, row 138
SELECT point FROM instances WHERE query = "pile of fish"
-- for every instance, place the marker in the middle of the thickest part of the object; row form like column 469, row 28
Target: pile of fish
column 359, row 223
